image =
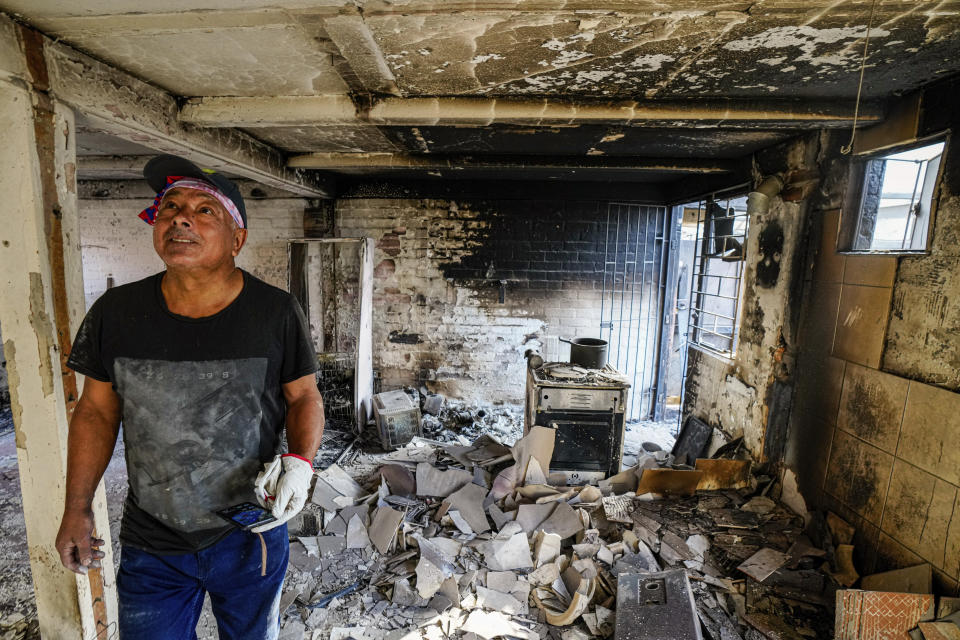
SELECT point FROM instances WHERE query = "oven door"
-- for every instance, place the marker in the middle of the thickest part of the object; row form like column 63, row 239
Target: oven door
column 585, row 441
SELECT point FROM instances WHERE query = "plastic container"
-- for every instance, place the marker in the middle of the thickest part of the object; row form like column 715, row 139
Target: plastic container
column 397, row 417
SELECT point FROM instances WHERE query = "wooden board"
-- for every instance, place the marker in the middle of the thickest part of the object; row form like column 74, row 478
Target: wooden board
column 723, row 474
column 669, row 482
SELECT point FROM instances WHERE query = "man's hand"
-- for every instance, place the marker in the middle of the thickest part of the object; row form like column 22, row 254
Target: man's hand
column 292, row 488
column 93, row 433
column 75, row 542
column 265, row 486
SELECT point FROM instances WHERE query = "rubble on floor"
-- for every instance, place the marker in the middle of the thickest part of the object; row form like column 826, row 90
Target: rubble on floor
column 16, row 626
column 470, row 540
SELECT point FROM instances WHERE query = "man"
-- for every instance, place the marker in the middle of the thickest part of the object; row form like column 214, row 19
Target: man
column 204, row 365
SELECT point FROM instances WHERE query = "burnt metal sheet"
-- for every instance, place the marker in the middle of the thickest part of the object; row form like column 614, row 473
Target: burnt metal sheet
column 692, row 441
column 656, row 606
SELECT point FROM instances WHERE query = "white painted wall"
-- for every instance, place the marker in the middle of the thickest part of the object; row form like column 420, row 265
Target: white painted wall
column 116, row 243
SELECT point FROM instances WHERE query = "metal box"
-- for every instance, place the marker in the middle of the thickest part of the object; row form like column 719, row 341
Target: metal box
column 656, row 606
column 397, row 417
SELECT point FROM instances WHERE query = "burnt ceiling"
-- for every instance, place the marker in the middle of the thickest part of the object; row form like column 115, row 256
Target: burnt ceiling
column 253, row 65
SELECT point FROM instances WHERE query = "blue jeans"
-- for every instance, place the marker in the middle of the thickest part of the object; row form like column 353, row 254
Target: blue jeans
column 161, row 596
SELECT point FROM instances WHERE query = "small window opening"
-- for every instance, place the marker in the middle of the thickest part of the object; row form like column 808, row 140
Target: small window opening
column 718, row 263
column 890, row 200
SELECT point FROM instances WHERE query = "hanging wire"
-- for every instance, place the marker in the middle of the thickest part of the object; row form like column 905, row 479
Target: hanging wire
column 863, row 65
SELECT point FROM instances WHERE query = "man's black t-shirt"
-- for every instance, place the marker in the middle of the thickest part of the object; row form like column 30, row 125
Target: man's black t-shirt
column 201, row 400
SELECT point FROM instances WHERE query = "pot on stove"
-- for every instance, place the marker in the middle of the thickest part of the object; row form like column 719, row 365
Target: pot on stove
column 590, row 353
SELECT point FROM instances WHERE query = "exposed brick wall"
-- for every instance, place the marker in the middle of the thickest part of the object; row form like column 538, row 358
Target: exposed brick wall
column 437, row 315
column 438, row 266
column 116, row 243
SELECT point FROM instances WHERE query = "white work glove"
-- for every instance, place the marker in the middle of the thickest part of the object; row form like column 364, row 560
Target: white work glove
column 265, row 486
column 283, row 493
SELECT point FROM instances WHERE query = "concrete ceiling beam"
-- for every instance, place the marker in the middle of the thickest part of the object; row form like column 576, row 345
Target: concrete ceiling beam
column 480, row 112
column 357, row 46
column 280, row 111
column 122, row 105
column 111, row 167
column 386, row 161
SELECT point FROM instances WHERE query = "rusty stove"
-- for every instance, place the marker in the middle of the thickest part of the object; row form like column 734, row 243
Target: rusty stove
column 587, row 409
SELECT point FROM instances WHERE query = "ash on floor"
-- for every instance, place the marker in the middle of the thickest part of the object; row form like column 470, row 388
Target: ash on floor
column 456, row 423
column 448, row 540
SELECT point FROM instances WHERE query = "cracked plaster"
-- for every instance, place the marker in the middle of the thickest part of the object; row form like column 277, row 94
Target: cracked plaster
column 231, row 61
column 338, row 139
column 522, row 47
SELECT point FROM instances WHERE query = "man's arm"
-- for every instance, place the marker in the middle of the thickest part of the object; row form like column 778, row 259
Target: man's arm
column 305, row 418
column 92, row 436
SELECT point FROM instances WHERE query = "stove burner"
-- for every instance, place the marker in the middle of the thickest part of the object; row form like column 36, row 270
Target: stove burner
column 574, row 374
column 564, row 371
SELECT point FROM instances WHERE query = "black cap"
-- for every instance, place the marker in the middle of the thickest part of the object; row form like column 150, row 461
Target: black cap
column 158, row 168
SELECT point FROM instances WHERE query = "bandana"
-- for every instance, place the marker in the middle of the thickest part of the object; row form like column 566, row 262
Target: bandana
column 149, row 215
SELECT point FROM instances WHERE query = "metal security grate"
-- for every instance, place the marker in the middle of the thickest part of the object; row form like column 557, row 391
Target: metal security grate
column 632, row 298
column 717, row 273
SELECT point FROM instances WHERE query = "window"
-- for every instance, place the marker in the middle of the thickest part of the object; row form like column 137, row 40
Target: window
column 719, row 252
column 890, row 198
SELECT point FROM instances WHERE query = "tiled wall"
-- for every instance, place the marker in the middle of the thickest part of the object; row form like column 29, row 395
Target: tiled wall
column 878, row 449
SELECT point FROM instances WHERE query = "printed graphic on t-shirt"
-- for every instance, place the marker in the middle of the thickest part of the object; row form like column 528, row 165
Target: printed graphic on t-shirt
column 192, row 435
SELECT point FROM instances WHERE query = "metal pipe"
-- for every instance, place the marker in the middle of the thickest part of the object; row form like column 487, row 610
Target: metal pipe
column 758, row 200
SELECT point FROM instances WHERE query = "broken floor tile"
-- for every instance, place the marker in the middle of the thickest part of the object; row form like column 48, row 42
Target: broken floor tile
column 383, row 529
column 324, row 495
column 564, row 522
column 341, row 481
column 357, row 537
column 440, row 484
column 292, row 629
column 499, row 517
column 759, row 504
column 459, row 522
column 529, row 516
column 760, row 565
column 498, row 601
column 468, row 500
column 399, row 479
column 538, row 443
column 490, row 624
column 513, row 553
column 546, row 548
column 432, row 568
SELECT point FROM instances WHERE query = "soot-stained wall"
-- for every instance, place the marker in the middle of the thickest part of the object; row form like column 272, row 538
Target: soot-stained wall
column 438, row 318
column 748, row 395
column 117, row 246
column 876, row 415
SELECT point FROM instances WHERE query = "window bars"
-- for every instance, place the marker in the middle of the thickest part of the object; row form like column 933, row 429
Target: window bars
column 717, row 273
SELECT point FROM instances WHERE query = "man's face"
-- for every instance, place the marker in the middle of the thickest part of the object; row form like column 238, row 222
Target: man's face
column 193, row 230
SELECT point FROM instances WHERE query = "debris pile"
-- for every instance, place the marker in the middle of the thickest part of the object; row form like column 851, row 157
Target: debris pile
column 449, row 540
column 16, row 626
column 445, row 419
